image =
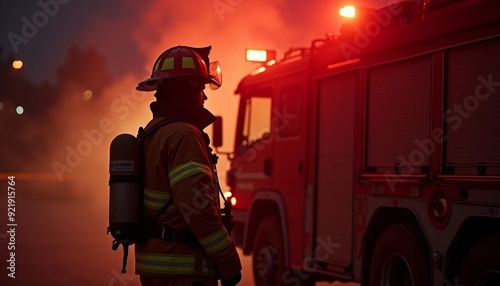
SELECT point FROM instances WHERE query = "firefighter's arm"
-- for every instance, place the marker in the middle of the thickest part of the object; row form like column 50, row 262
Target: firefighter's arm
column 193, row 194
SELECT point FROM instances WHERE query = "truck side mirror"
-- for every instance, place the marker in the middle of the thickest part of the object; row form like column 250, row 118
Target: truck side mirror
column 217, row 132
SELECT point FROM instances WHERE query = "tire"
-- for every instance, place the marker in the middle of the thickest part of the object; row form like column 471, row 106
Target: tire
column 399, row 258
column 481, row 265
column 268, row 256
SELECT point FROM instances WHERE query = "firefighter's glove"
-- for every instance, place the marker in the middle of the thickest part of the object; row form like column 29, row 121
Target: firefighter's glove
column 233, row 281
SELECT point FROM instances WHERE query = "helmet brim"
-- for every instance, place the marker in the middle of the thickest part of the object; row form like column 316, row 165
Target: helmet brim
column 151, row 84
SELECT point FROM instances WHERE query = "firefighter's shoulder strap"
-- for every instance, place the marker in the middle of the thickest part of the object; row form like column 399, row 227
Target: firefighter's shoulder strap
column 145, row 133
column 142, row 135
column 150, row 228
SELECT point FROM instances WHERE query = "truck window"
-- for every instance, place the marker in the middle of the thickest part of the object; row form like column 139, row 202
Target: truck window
column 290, row 105
column 257, row 123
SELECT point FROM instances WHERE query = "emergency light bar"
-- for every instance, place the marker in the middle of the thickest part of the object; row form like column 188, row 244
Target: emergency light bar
column 348, row 11
column 260, row 56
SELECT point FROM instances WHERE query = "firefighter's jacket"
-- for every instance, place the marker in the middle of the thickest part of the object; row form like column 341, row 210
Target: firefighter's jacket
column 178, row 166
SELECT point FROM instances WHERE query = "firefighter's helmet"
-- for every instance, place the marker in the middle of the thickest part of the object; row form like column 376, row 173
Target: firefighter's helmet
column 183, row 61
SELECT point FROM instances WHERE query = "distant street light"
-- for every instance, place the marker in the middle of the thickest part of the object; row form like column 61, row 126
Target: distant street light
column 19, row 110
column 87, row 94
column 17, row 64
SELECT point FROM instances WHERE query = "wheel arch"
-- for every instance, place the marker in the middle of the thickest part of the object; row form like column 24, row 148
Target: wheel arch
column 265, row 203
column 381, row 219
column 471, row 230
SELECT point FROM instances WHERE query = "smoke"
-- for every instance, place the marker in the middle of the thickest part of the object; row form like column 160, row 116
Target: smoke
column 86, row 128
column 134, row 34
column 130, row 36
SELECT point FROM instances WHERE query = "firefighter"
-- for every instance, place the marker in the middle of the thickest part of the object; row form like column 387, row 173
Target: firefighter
column 187, row 244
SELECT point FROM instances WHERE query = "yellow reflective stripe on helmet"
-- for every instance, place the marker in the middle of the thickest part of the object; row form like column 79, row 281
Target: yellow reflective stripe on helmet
column 171, row 264
column 168, row 64
column 157, row 64
column 156, row 200
column 187, row 169
column 187, row 63
column 216, row 241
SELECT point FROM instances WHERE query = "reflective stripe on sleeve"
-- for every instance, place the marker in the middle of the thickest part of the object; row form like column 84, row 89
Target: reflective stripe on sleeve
column 187, row 169
column 216, row 241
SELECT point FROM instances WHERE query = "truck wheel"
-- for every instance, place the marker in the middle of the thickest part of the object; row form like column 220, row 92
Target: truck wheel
column 481, row 265
column 399, row 258
column 268, row 252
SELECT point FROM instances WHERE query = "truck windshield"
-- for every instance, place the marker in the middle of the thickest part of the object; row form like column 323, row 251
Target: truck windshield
column 257, row 123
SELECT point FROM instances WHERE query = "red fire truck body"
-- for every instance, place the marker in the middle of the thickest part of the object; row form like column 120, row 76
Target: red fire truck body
column 374, row 156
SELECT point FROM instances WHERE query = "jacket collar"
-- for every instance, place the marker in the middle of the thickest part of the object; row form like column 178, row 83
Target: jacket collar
column 198, row 116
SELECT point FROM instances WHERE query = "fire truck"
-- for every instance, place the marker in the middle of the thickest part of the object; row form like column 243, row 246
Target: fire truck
column 373, row 156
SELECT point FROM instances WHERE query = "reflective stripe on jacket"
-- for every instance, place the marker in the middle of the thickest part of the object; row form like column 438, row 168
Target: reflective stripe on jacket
column 170, row 264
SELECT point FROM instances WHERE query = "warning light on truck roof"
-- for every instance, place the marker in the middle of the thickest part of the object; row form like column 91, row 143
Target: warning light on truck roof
column 348, row 11
column 260, row 56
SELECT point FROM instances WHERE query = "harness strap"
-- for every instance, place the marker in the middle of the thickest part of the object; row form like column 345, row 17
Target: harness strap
column 142, row 135
column 172, row 234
